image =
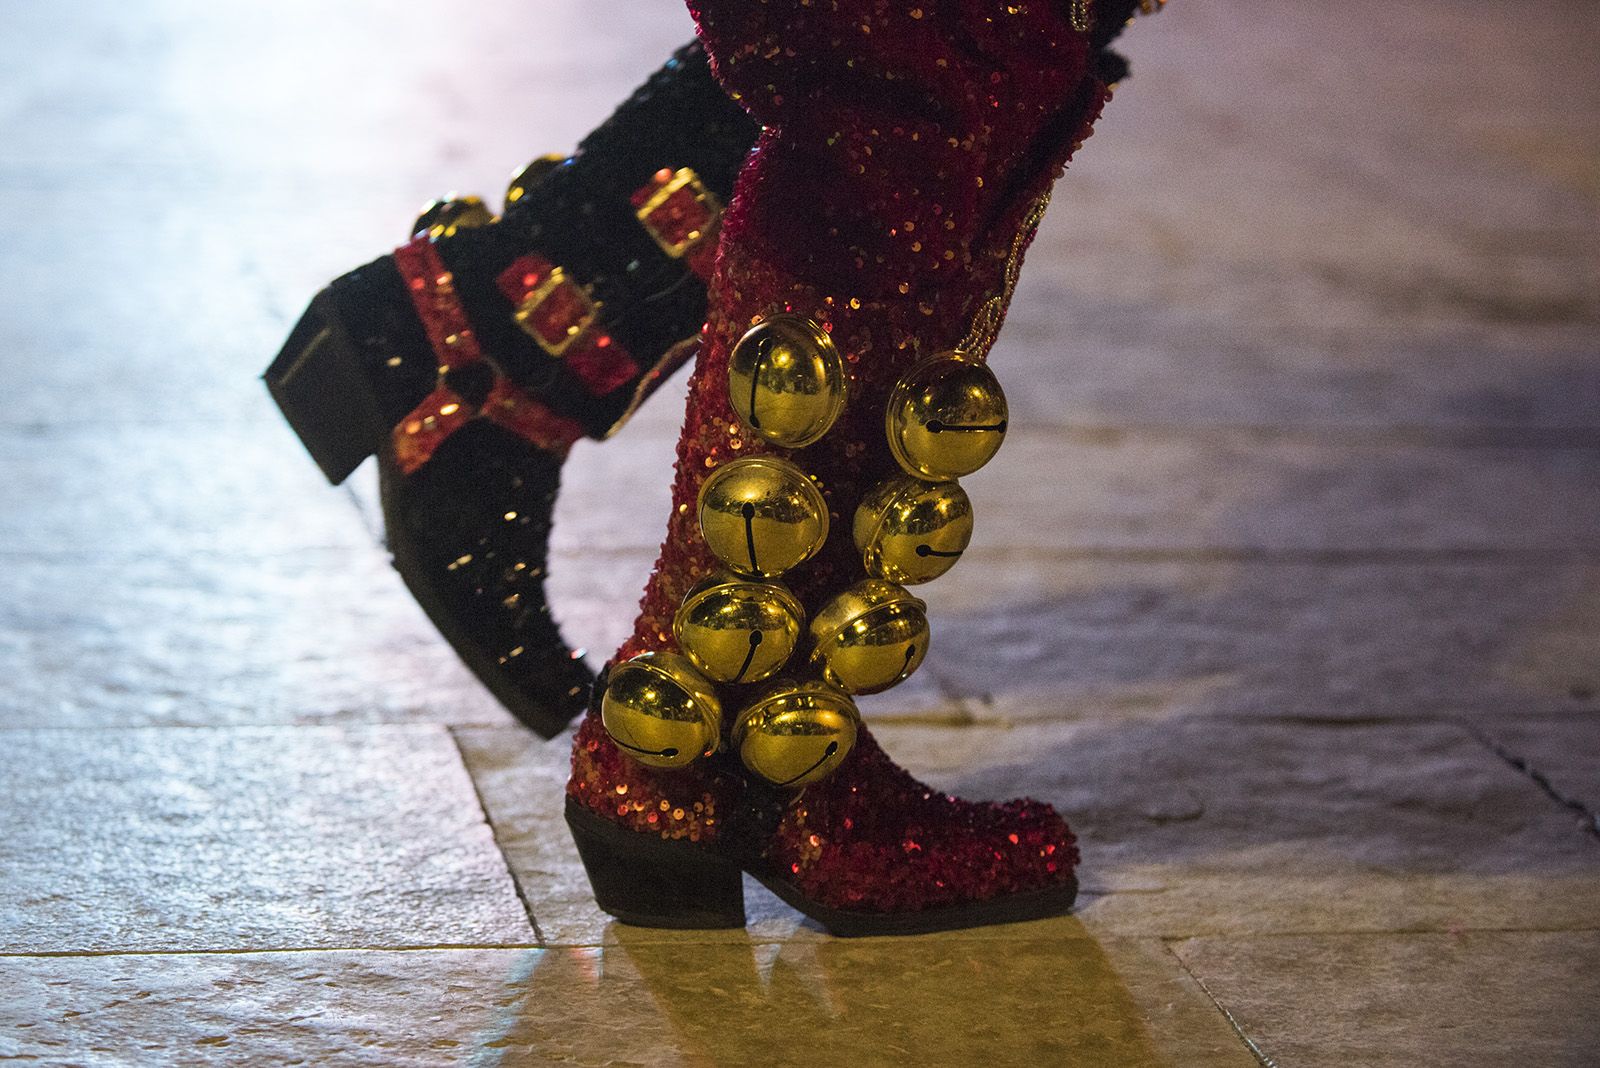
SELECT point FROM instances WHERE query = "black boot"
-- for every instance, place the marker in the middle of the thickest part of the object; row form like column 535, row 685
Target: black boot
column 470, row 360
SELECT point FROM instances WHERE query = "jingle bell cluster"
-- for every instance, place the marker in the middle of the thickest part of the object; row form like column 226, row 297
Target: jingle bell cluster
column 762, row 516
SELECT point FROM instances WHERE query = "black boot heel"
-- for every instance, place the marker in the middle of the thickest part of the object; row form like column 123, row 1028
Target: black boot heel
column 318, row 383
column 652, row 882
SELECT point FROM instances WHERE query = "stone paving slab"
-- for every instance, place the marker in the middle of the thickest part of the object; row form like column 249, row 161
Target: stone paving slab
column 913, row 1001
column 181, row 345
column 189, row 839
column 1075, row 356
column 1119, row 633
column 1025, row 635
column 1161, row 231
column 167, row 491
column 1158, row 240
column 1469, row 1000
column 191, row 220
column 1161, row 492
column 208, row 639
column 191, row 343
column 1367, row 150
column 1188, row 827
column 1158, row 492
column 187, row 343
column 371, row 91
column 1224, row 826
column 1328, row 215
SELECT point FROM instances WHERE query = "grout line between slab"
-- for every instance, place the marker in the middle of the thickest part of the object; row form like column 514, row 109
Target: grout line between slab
column 1523, row 767
column 511, row 871
column 1250, row 1044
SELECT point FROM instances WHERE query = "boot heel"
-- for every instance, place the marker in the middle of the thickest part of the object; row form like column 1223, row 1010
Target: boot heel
column 318, row 384
column 652, row 882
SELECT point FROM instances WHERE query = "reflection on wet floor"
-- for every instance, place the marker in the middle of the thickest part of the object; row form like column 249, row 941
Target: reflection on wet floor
column 836, row 1002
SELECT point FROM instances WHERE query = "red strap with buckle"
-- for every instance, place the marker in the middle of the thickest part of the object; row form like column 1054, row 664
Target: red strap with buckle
column 559, row 314
column 443, row 411
column 682, row 215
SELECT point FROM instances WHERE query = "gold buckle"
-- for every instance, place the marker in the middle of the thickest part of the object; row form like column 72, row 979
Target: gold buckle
column 677, row 245
column 556, row 335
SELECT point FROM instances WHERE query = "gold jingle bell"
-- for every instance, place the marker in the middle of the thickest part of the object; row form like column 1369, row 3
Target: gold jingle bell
column 738, row 631
column 524, row 180
column 946, row 418
column 870, row 637
column 796, row 733
column 442, row 218
column 661, row 711
column 786, row 380
column 761, row 516
column 910, row 531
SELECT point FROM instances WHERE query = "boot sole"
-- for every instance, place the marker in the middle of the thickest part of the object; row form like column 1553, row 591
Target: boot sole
column 647, row 881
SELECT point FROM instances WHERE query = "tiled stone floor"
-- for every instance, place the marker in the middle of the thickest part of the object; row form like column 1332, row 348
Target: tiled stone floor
column 1303, row 632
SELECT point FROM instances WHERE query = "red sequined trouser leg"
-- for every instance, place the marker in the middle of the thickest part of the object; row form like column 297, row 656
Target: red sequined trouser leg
column 907, row 152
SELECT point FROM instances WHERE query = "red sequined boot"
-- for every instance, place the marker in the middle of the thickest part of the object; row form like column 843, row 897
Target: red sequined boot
column 868, row 256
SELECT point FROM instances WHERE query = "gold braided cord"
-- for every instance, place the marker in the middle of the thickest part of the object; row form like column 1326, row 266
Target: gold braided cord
column 986, row 324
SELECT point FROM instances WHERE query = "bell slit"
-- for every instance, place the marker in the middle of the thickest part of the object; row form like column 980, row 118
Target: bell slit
column 755, row 643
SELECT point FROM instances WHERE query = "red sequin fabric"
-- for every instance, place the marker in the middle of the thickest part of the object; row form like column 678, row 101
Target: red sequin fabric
column 904, row 150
